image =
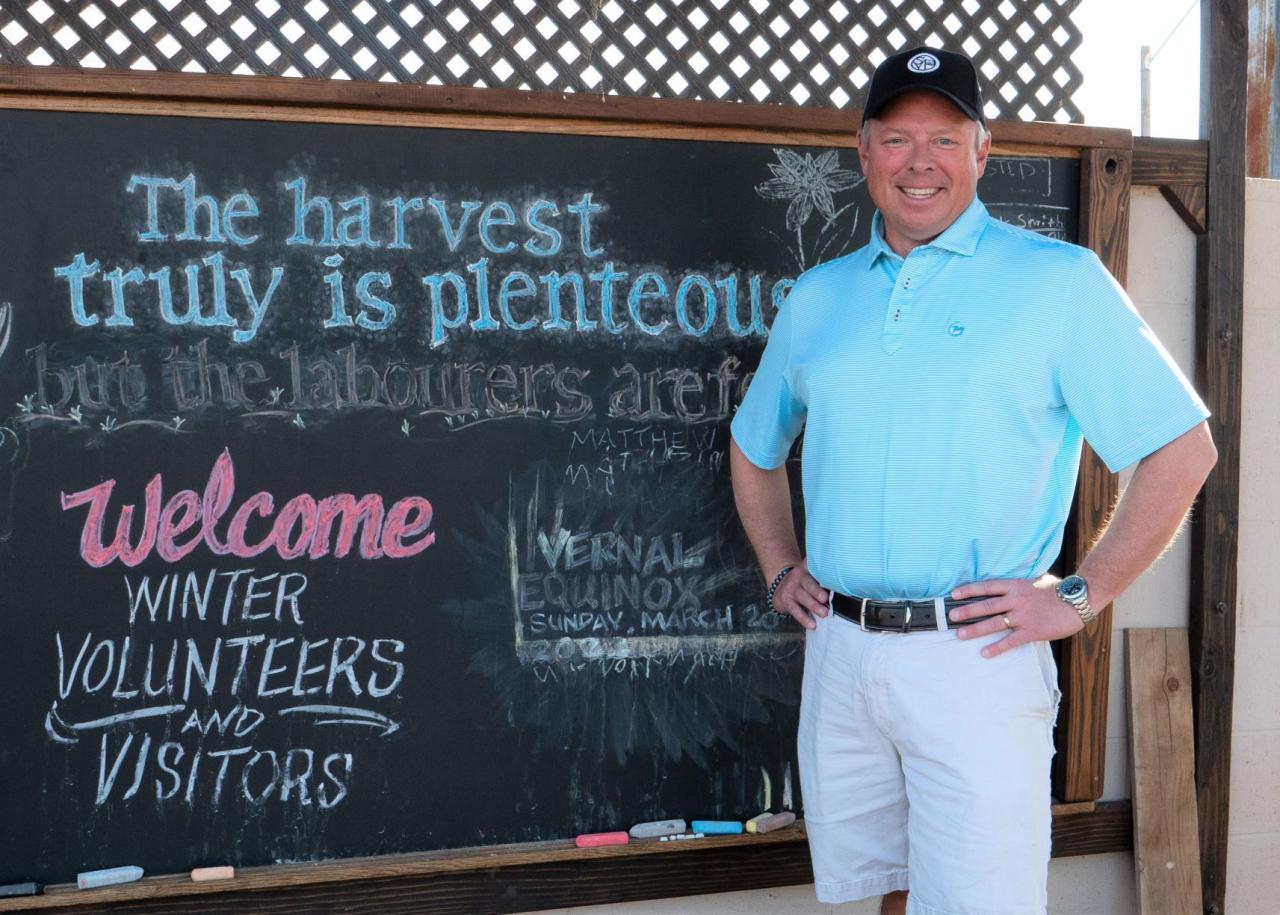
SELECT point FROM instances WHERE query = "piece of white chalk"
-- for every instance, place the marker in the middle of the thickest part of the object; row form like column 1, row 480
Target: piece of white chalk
column 109, row 877
column 225, row 872
column 658, row 828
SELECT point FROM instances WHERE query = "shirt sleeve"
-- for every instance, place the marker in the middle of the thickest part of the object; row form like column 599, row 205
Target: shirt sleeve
column 771, row 415
column 1119, row 383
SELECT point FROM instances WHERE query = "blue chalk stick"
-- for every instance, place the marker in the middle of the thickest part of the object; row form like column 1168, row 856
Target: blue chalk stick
column 717, row 827
column 109, row 877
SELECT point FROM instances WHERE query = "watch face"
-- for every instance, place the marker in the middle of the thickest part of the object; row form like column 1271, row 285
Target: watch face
column 1073, row 586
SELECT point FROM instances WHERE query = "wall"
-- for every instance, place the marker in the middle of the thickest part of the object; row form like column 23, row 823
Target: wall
column 1253, row 880
column 1162, row 284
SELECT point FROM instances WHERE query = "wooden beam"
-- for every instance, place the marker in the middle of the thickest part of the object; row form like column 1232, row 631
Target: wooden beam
column 196, row 88
column 1190, row 202
column 1085, row 659
column 1106, row 177
column 1163, row 768
column 1108, row 828
column 1219, row 326
column 519, row 878
column 1158, row 161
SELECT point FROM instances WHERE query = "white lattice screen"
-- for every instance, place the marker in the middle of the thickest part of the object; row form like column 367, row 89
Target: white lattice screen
column 797, row 52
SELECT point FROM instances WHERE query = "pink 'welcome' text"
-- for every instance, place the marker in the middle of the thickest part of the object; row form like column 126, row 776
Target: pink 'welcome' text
column 304, row 526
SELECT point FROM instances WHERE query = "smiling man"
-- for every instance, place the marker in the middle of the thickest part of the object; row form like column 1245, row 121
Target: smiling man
column 945, row 377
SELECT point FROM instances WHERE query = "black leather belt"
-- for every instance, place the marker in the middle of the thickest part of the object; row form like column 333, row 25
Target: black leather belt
column 898, row 615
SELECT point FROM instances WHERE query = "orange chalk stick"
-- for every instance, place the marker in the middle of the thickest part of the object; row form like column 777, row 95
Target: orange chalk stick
column 201, row 874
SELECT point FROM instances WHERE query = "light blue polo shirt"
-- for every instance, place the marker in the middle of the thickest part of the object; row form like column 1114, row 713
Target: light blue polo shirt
column 944, row 398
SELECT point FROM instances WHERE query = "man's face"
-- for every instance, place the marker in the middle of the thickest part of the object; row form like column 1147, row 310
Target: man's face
column 922, row 160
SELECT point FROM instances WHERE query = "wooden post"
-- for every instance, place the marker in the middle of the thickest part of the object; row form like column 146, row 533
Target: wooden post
column 1166, row 841
column 1263, row 121
column 1144, row 89
column 1105, row 183
column 1224, row 54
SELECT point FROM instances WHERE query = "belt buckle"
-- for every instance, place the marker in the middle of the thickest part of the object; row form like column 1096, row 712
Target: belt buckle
column 906, row 620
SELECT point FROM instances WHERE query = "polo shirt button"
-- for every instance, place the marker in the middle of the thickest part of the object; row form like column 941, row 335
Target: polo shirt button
column 956, row 329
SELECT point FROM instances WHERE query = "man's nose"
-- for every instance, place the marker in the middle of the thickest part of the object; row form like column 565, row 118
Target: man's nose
column 921, row 158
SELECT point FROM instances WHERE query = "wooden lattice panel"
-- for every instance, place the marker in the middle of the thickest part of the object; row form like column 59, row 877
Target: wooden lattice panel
column 796, row 52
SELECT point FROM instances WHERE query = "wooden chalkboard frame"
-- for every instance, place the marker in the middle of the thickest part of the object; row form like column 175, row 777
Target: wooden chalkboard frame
column 554, row 874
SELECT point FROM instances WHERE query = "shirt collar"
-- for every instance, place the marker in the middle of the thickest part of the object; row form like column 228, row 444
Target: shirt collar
column 961, row 237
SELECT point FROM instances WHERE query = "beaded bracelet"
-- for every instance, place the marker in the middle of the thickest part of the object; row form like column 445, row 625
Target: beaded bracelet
column 774, row 585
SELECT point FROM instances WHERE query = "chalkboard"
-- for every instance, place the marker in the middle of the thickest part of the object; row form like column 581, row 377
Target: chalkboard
column 364, row 489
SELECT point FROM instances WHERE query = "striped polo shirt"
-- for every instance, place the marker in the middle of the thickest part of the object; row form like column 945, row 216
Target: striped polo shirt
column 944, row 398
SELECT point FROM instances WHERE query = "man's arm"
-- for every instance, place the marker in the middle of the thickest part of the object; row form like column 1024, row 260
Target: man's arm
column 1148, row 516
column 763, row 498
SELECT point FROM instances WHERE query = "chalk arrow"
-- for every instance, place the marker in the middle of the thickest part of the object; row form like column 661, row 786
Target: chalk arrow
column 6, row 326
column 55, row 726
column 342, row 714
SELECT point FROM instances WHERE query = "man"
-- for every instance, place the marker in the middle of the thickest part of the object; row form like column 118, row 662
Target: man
column 945, row 375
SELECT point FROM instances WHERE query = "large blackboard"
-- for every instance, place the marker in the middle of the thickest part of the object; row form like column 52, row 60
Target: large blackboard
column 495, row 590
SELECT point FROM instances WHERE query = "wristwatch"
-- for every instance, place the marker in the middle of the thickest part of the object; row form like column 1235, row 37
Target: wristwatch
column 1074, row 590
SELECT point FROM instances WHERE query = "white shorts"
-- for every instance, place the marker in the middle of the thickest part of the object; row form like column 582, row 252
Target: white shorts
column 925, row 766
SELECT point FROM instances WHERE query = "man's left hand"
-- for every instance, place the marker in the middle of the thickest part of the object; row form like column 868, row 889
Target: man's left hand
column 1031, row 611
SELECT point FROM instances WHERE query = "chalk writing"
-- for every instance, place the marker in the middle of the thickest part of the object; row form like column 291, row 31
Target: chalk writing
column 303, row 526
column 636, row 590
column 220, row 688
column 238, row 296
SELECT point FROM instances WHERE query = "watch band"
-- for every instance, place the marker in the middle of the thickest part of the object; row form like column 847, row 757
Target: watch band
column 1087, row 613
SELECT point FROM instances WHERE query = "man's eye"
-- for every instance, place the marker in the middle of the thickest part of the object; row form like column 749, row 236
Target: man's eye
column 946, row 141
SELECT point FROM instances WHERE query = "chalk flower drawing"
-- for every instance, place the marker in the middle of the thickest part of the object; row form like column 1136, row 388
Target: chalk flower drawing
column 810, row 184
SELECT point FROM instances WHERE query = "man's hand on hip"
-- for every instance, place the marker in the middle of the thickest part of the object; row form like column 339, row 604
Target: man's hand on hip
column 801, row 597
column 1031, row 611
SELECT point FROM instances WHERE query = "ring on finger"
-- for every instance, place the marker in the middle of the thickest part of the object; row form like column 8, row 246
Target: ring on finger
column 1007, row 623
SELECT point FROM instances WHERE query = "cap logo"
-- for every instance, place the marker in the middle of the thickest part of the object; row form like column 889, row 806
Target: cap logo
column 923, row 62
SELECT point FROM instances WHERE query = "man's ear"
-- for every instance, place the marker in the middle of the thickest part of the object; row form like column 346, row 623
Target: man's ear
column 984, row 150
column 862, row 139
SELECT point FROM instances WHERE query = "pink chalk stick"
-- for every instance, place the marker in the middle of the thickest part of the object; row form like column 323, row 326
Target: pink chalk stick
column 596, row 839
column 213, row 873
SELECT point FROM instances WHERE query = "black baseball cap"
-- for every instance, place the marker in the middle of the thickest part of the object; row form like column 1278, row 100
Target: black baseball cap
column 946, row 72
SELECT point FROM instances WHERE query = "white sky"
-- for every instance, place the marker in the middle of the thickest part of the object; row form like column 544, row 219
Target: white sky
column 1114, row 32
